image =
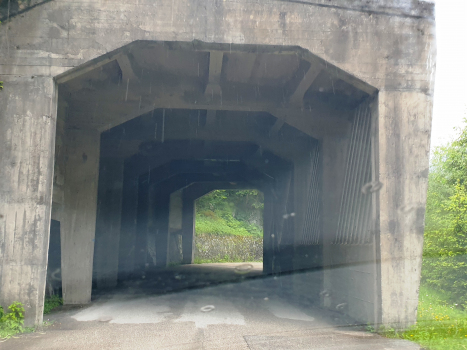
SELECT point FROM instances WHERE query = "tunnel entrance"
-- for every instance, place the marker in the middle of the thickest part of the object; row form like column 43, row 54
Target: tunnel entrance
column 145, row 131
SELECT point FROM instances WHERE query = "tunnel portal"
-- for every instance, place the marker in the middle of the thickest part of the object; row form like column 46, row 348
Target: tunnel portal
column 147, row 129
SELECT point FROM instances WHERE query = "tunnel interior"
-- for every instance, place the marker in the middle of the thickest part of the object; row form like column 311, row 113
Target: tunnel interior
column 144, row 131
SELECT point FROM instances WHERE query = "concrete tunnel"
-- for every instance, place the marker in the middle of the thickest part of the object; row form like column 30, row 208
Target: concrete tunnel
column 145, row 130
column 155, row 120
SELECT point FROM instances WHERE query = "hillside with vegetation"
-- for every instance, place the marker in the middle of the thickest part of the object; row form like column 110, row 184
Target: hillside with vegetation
column 229, row 226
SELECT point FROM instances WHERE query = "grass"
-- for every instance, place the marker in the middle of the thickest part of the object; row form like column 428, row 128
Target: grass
column 213, row 224
column 51, row 303
column 441, row 325
column 219, row 259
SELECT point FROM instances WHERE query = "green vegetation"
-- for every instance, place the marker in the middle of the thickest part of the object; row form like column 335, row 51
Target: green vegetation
column 11, row 323
column 51, row 303
column 230, row 212
column 441, row 324
column 445, row 248
column 229, row 226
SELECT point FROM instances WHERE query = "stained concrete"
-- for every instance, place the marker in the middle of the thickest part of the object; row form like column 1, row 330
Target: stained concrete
column 243, row 315
column 27, row 143
column 277, row 74
column 80, row 210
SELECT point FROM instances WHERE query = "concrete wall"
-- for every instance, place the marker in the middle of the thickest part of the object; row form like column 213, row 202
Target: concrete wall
column 27, row 143
column 388, row 44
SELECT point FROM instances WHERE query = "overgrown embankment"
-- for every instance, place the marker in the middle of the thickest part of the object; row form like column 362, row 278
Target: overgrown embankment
column 229, row 226
column 227, row 248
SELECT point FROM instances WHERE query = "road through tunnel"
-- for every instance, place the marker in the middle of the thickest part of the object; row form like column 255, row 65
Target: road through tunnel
column 146, row 130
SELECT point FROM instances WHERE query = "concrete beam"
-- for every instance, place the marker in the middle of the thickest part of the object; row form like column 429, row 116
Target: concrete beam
column 79, row 214
column 27, row 142
column 126, row 68
column 114, row 107
column 274, row 131
column 297, row 96
column 213, row 88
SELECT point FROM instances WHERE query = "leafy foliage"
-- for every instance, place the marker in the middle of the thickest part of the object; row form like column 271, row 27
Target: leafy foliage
column 51, row 303
column 229, row 226
column 12, row 322
column 445, row 247
column 230, row 212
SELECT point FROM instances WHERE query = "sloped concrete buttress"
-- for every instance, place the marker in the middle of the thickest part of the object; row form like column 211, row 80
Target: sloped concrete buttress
column 27, row 143
column 79, row 218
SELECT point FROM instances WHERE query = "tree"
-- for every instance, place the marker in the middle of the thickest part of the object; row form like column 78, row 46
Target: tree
column 445, row 247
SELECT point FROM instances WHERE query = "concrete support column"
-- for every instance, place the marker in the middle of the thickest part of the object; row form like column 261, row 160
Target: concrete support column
column 126, row 260
column 403, row 160
column 161, row 227
column 109, row 209
column 268, row 232
column 27, row 143
column 79, row 214
column 141, row 239
column 188, row 229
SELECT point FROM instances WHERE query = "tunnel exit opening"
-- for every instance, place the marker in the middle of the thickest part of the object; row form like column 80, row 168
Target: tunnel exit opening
column 229, row 227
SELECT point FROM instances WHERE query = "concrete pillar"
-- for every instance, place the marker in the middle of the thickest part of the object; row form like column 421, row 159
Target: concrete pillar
column 79, row 214
column 109, row 209
column 188, row 229
column 141, row 239
column 27, row 143
column 126, row 260
column 404, row 126
column 161, row 227
column 268, row 232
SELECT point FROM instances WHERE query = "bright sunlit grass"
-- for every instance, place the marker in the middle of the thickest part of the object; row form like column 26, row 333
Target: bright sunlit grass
column 441, row 325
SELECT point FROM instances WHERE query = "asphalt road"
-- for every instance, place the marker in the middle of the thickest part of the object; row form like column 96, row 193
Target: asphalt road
column 242, row 314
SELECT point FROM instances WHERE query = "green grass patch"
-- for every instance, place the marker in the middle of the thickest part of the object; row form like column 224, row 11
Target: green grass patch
column 441, row 325
column 51, row 303
column 213, row 224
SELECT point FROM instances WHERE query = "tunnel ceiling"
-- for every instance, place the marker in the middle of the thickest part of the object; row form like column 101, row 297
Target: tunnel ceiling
column 289, row 83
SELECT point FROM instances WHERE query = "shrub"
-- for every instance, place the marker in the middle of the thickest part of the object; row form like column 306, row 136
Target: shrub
column 51, row 303
column 12, row 322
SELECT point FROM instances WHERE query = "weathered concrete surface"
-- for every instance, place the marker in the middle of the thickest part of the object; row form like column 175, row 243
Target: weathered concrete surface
column 27, row 143
column 79, row 219
column 404, row 146
column 244, row 315
column 388, row 45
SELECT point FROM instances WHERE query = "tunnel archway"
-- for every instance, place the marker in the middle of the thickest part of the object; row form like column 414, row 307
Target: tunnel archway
column 153, row 118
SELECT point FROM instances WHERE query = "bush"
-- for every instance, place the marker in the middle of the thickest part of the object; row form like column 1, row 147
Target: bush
column 11, row 323
column 51, row 303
